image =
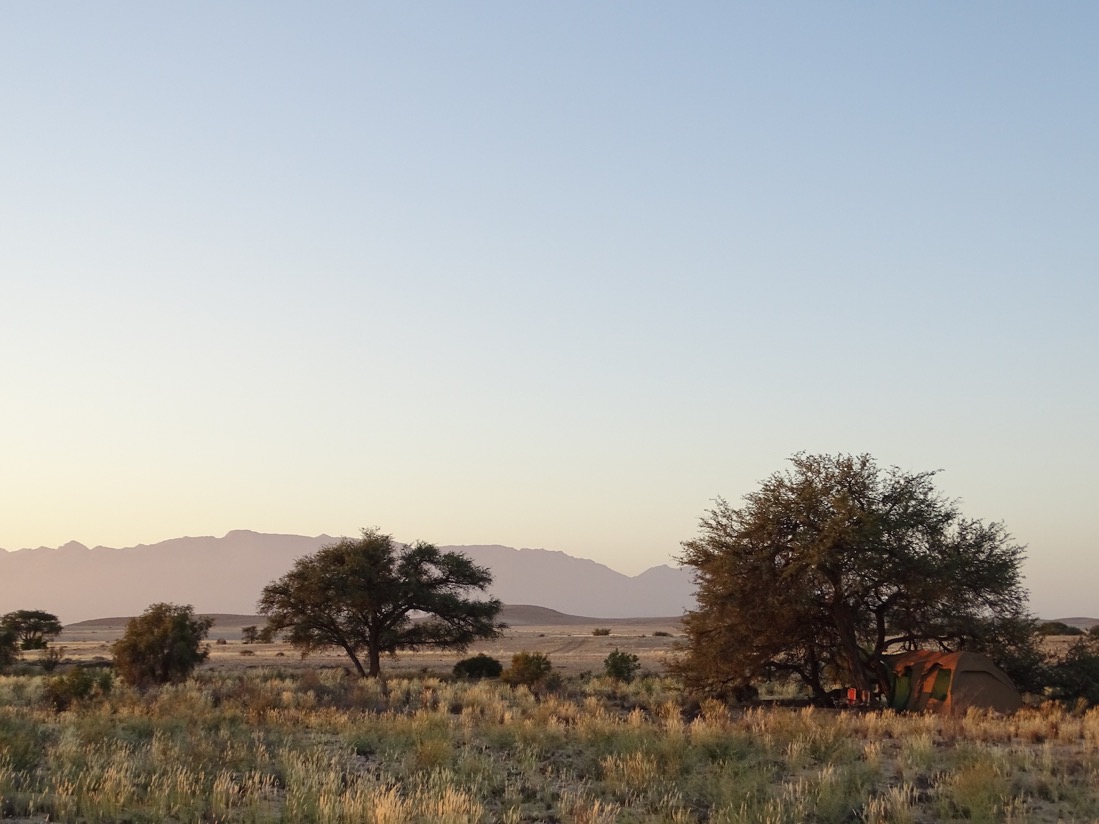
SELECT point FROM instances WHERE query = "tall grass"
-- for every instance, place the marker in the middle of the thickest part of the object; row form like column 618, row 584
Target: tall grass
column 327, row 748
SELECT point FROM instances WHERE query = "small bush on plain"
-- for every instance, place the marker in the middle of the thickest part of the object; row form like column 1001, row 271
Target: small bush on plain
column 51, row 658
column 621, row 666
column 479, row 666
column 78, row 684
column 601, row 631
column 528, row 668
column 1058, row 628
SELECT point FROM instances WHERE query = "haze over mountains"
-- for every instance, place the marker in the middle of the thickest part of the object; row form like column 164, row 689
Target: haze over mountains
column 226, row 575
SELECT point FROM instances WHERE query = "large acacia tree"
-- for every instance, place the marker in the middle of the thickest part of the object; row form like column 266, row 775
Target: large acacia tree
column 370, row 596
column 833, row 563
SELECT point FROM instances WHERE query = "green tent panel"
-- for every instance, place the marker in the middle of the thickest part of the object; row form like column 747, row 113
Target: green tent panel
column 950, row 682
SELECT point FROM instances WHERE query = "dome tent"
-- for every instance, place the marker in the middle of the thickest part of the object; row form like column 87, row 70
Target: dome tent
column 950, row 683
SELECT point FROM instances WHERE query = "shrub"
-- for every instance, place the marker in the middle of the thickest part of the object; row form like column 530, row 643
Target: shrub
column 249, row 634
column 1093, row 631
column 601, row 631
column 1058, row 628
column 662, row 634
column 528, row 668
column 479, row 666
column 51, row 658
column 1076, row 675
column 621, row 666
column 9, row 647
column 162, row 645
column 78, row 684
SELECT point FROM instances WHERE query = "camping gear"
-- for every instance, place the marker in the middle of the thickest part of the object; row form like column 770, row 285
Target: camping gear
column 950, row 683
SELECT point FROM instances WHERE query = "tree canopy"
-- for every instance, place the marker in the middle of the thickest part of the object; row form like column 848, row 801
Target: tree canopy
column 834, row 562
column 370, row 596
column 162, row 645
column 33, row 628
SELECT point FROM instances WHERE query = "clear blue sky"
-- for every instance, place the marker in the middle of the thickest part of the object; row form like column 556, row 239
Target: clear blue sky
column 547, row 275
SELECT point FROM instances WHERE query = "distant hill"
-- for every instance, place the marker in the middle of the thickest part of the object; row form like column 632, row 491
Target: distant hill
column 225, row 576
column 514, row 615
column 220, row 620
column 1082, row 623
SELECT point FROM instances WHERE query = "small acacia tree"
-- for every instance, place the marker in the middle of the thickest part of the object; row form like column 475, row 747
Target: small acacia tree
column 835, row 562
column 162, row 645
column 33, row 628
column 370, row 596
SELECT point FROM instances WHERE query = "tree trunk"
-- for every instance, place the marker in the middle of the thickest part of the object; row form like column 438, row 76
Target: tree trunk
column 355, row 660
column 375, row 662
column 810, row 674
column 845, row 625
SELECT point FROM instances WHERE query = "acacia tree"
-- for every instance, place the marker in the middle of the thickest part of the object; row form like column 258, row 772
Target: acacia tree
column 834, row 562
column 33, row 628
column 370, row 596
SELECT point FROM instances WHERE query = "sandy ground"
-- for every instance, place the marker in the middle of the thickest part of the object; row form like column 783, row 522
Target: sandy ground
column 570, row 645
column 566, row 639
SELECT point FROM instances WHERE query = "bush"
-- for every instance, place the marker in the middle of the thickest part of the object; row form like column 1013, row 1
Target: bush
column 162, row 645
column 601, row 631
column 662, row 634
column 1058, row 628
column 621, row 666
column 51, row 658
column 1093, row 631
column 77, row 685
column 9, row 647
column 527, row 668
column 479, row 666
column 1076, row 676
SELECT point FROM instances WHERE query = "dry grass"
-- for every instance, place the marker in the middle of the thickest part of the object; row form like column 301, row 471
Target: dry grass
column 320, row 746
column 269, row 738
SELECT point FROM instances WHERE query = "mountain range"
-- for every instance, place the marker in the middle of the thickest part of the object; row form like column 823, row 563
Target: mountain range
column 226, row 575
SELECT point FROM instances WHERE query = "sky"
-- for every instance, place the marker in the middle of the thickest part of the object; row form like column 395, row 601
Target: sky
column 545, row 275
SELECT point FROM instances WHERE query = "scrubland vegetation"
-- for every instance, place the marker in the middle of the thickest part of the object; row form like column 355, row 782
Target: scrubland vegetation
column 321, row 746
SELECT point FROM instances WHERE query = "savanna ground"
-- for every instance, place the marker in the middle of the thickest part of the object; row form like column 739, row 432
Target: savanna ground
column 269, row 738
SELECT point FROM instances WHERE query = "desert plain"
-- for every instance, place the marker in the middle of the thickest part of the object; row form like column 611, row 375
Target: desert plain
column 568, row 640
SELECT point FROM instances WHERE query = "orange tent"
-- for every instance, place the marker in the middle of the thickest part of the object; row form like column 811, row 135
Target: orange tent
column 950, row 682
